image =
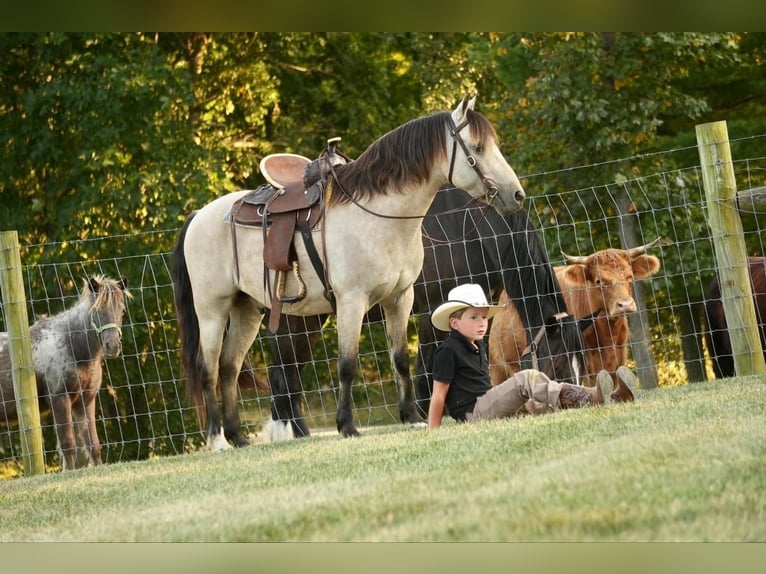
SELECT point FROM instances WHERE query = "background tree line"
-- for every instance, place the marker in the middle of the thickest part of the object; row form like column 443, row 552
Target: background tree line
column 116, row 133
column 119, row 134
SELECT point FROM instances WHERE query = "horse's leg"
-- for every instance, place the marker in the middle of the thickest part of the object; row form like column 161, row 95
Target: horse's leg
column 244, row 321
column 85, row 436
column 87, row 406
column 423, row 380
column 80, row 429
column 291, row 348
column 61, row 405
column 212, row 328
column 349, row 317
column 397, row 317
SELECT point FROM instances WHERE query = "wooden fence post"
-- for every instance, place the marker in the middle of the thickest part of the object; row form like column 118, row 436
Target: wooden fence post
column 729, row 243
column 20, row 347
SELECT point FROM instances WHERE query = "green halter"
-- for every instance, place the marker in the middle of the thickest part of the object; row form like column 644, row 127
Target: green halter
column 102, row 328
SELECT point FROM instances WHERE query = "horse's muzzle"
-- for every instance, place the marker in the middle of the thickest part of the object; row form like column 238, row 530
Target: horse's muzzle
column 111, row 341
column 509, row 203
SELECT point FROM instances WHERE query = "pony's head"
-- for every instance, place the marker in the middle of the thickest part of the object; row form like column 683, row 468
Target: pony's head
column 476, row 163
column 108, row 306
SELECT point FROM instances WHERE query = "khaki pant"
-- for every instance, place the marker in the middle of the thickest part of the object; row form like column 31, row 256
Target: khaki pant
column 526, row 392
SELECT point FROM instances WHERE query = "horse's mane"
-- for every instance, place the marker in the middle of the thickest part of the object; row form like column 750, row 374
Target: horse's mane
column 110, row 292
column 403, row 156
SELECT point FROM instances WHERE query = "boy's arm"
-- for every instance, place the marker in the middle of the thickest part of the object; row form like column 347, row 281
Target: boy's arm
column 436, row 408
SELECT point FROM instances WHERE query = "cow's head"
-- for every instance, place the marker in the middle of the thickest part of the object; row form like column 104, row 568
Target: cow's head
column 608, row 276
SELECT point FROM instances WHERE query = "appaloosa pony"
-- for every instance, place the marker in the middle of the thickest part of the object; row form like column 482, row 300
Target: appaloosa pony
column 67, row 350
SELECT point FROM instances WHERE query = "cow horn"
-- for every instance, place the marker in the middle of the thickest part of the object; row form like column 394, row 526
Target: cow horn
column 636, row 251
column 575, row 259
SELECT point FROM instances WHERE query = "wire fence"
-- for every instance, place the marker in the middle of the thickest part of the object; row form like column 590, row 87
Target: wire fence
column 143, row 409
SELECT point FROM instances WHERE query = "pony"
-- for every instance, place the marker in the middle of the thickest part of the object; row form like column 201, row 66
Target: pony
column 371, row 251
column 67, row 350
column 462, row 243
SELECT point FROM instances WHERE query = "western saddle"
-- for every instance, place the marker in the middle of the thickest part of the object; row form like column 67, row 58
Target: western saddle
column 292, row 201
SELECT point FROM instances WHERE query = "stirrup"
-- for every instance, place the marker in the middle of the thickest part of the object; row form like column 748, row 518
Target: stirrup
column 281, row 280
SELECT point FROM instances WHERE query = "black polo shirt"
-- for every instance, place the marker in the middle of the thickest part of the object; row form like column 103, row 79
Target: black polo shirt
column 466, row 369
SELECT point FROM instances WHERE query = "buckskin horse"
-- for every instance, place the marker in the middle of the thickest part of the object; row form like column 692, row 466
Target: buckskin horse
column 370, row 248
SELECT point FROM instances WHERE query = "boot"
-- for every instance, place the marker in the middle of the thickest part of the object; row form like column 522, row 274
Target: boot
column 627, row 386
column 605, row 382
column 575, row 397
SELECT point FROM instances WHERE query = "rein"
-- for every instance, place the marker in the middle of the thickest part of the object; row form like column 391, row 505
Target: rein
column 532, row 347
column 484, row 210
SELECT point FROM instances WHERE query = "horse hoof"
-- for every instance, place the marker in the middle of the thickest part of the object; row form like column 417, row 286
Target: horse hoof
column 218, row 443
column 277, row 431
column 419, row 425
column 349, row 432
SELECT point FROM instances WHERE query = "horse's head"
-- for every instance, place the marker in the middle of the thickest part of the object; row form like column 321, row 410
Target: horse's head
column 108, row 307
column 476, row 163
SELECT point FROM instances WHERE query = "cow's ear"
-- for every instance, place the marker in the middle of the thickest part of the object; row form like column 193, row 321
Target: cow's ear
column 645, row 265
column 574, row 273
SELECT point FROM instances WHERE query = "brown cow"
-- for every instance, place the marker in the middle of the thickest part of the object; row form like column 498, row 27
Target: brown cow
column 601, row 282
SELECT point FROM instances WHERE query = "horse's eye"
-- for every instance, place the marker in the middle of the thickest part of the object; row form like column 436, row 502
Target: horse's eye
column 479, row 148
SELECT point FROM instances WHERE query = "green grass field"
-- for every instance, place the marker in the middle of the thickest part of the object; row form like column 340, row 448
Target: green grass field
column 684, row 463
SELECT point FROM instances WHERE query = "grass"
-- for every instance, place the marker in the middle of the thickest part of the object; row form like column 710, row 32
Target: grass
column 684, row 463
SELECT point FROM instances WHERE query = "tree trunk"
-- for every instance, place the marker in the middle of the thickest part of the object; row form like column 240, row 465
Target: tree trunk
column 646, row 370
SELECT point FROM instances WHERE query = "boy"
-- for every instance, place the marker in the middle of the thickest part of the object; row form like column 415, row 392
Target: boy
column 461, row 370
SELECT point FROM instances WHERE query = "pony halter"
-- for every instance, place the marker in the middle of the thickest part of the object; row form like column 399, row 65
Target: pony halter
column 489, row 184
column 103, row 328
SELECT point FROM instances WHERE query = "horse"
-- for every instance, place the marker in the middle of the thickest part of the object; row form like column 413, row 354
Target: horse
column 371, row 251
column 67, row 350
column 462, row 243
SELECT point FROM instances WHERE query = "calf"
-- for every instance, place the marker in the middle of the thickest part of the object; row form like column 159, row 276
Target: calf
column 599, row 284
column 717, row 334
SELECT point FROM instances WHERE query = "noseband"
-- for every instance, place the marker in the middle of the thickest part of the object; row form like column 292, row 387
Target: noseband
column 103, row 328
column 489, row 185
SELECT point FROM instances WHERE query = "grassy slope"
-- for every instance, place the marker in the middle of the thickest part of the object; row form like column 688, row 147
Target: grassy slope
column 683, row 464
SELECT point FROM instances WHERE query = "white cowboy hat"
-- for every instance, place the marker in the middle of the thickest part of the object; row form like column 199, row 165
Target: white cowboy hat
column 462, row 296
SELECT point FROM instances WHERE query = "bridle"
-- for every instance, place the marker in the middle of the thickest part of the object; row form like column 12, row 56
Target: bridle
column 490, row 185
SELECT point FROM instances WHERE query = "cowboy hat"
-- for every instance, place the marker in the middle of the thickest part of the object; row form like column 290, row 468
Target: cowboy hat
column 461, row 297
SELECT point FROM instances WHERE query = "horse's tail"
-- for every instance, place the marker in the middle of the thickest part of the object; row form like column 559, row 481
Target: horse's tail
column 188, row 324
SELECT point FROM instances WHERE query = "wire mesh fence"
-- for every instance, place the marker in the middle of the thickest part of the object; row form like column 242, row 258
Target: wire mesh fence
column 143, row 409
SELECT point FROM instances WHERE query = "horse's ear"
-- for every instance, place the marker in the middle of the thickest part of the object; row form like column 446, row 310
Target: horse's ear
column 124, row 283
column 458, row 115
column 94, row 284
